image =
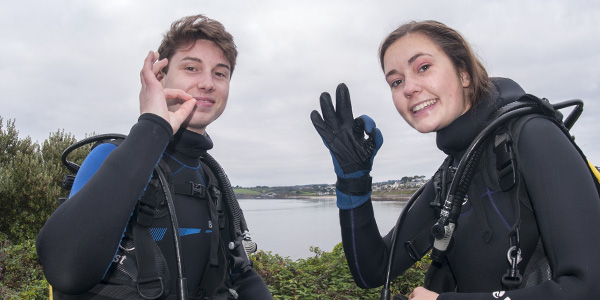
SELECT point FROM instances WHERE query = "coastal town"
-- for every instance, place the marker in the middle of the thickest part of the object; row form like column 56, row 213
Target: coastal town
column 400, row 190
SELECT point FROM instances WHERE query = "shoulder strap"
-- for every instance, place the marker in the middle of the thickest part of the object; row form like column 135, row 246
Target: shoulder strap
column 151, row 284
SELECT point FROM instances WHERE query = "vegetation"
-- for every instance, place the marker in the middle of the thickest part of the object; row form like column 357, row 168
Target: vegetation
column 325, row 275
column 21, row 275
column 30, row 186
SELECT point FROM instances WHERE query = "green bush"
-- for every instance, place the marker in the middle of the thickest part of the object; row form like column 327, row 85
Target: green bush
column 21, row 276
column 30, row 180
column 30, row 185
column 325, row 275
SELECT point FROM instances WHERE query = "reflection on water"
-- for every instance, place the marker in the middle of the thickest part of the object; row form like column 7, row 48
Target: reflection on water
column 289, row 227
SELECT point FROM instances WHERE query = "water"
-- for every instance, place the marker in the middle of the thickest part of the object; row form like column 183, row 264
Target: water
column 289, row 227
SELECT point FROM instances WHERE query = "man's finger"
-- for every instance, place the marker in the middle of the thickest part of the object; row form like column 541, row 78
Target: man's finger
column 185, row 109
column 146, row 68
column 159, row 66
column 177, row 94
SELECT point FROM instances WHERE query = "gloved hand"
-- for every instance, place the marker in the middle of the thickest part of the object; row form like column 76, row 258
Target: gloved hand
column 352, row 153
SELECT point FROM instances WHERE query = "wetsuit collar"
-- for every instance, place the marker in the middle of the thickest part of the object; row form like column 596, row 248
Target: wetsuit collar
column 455, row 138
column 190, row 144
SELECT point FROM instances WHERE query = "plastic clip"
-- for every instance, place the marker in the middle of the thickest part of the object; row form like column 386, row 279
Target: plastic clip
column 197, row 189
column 512, row 278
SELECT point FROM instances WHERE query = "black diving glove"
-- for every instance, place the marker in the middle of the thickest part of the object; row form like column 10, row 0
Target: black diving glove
column 351, row 152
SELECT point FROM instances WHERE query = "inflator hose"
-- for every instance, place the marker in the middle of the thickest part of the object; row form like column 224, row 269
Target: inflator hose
column 385, row 291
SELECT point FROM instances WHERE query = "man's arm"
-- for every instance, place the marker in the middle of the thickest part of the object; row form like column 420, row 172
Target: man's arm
column 78, row 242
column 80, row 239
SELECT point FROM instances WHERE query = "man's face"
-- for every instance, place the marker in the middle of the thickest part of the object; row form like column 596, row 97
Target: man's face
column 203, row 72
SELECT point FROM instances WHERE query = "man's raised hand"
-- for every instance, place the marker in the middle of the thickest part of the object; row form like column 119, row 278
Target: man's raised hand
column 153, row 96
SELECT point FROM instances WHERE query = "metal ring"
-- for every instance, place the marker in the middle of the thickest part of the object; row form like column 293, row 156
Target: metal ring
column 127, row 250
column 510, row 251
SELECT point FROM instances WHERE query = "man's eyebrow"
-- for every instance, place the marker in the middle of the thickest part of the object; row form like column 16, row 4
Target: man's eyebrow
column 226, row 66
column 195, row 59
column 192, row 59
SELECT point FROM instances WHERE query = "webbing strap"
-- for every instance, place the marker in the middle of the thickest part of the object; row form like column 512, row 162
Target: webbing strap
column 418, row 247
column 191, row 189
column 150, row 285
column 358, row 186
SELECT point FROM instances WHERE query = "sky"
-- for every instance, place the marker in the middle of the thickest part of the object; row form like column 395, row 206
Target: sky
column 74, row 66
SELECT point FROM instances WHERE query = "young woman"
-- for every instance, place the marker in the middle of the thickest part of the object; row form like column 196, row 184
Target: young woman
column 533, row 240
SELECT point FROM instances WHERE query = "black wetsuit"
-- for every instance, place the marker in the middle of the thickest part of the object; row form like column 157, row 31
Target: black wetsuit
column 78, row 242
column 564, row 199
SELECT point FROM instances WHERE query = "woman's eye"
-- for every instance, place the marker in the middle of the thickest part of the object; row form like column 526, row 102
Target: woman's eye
column 190, row 68
column 396, row 83
column 423, row 68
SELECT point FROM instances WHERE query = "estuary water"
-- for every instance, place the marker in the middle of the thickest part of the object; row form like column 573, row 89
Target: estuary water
column 289, row 227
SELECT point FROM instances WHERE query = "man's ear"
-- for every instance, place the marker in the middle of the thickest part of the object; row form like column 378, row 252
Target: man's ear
column 160, row 76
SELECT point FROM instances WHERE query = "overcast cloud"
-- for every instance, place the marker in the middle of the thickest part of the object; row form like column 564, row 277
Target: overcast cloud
column 74, row 65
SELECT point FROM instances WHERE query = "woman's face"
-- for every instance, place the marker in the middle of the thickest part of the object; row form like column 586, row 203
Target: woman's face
column 428, row 90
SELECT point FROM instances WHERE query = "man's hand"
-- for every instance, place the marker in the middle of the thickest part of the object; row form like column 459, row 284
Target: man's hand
column 153, row 96
column 421, row 293
column 352, row 153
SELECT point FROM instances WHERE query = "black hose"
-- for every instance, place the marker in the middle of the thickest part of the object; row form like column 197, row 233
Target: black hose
column 182, row 289
column 73, row 167
column 237, row 215
column 465, row 171
column 385, row 291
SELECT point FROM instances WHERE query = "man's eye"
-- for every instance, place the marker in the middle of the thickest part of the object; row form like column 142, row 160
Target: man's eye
column 222, row 74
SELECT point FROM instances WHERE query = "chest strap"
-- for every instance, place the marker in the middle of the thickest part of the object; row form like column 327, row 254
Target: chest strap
column 189, row 188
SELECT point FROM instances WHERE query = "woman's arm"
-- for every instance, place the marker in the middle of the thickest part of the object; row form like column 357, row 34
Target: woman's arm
column 367, row 251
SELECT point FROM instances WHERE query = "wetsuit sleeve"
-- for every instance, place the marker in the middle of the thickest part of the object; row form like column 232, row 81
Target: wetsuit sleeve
column 80, row 239
column 252, row 286
column 367, row 252
column 567, row 206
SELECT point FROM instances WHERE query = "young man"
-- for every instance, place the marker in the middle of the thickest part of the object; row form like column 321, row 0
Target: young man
column 113, row 238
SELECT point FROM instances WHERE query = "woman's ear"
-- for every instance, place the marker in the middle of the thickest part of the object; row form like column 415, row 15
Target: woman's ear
column 160, row 76
column 465, row 79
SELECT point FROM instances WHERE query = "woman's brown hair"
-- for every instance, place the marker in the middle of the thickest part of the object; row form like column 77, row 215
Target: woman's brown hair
column 454, row 46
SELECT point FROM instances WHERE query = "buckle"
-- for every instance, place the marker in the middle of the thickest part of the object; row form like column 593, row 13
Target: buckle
column 149, row 281
column 412, row 251
column 197, row 189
